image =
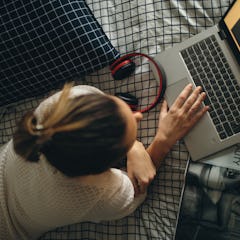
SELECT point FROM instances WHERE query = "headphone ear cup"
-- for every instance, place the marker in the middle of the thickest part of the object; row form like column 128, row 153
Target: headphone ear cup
column 123, row 69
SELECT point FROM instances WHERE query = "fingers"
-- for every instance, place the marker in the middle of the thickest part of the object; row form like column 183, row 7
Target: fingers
column 135, row 186
column 190, row 101
column 164, row 106
column 163, row 109
column 199, row 114
column 142, row 187
column 194, row 96
column 139, row 186
column 195, row 106
column 144, row 181
column 183, row 96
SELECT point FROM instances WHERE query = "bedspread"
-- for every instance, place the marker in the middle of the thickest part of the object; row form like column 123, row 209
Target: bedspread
column 147, row 26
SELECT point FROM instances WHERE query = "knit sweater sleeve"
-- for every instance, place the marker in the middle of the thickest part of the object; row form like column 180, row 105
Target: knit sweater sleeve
column 118, row 198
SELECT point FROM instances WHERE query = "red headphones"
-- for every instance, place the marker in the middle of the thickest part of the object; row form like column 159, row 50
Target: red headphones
column 123, row 67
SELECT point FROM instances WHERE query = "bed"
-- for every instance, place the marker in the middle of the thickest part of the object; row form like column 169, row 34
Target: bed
column 148, row 27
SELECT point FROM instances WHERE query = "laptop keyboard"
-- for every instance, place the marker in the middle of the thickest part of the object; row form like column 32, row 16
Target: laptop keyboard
column 209, row 69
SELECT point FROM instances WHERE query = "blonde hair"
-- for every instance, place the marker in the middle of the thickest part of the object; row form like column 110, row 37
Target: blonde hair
column 83, row 135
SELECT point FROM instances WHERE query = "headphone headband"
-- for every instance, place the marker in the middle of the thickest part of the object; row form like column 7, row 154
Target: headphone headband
column 126, row 59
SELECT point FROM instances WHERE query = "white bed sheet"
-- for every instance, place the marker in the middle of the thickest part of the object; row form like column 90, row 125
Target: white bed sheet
column 149, row 27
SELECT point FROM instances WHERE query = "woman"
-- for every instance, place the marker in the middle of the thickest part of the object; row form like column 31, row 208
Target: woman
column 58, row 169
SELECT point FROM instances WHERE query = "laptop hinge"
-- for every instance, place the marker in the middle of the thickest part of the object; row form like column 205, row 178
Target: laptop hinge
column 222, row 35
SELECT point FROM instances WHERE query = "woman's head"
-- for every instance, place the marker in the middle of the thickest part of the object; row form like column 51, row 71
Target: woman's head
column 81, row 135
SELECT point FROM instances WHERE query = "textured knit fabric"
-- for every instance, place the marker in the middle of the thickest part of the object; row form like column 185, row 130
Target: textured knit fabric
column 36, row 197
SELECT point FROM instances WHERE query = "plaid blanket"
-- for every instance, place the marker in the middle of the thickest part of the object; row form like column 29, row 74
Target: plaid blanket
column 148, row 27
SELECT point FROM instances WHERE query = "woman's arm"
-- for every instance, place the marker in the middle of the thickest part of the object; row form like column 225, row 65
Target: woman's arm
column 173, row 125
column 176, row 122
column 140, row 168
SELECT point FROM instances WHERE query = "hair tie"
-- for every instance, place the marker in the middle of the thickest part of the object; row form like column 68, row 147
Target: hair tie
column 42, row 136
column 39, row 127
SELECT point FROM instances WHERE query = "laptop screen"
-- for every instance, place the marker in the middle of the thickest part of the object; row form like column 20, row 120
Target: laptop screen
column 232, row 21
column 230, row 24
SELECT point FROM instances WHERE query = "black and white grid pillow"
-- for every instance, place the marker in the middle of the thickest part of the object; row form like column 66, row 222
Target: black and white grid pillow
column 44, row 43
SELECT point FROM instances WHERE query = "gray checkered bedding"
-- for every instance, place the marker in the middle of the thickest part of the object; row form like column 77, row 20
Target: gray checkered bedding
column 148, row 27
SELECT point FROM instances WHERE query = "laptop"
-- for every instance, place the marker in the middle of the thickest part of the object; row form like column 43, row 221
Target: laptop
column 210, row 59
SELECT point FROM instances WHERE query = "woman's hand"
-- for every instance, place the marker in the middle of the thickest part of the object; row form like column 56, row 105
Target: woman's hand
column 176, row 122
column 140, row 168
column 185, row 112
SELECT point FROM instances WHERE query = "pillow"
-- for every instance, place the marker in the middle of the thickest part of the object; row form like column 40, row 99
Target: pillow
column 45, row 43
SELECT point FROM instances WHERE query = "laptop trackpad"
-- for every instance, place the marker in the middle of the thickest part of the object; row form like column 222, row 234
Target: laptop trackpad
column 174, row 90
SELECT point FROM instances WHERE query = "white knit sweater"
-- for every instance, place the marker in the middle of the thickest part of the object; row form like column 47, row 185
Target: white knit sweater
column 36, row 197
